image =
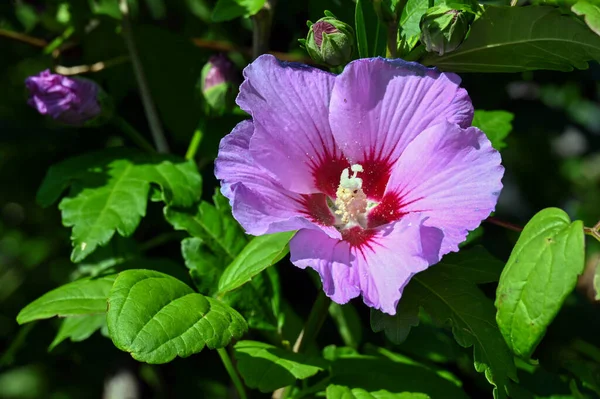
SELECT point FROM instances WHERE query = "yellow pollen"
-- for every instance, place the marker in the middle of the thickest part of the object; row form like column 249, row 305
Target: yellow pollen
column 351, row 201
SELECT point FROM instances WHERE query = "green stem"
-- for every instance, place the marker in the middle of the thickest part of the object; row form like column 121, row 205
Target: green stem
column 232, row 373
column 392, row 40
column 194, row 144
column 133, row 134
column 317, row 316
column 148, row 103
column 160, row 240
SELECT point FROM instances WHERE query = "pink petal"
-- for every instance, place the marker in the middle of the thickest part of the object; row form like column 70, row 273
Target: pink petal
column 452, row 176
column 379, row 268
column 289, row 104
column 259, row 203
column 379, row 106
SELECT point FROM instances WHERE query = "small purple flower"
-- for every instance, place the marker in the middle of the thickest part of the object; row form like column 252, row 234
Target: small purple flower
column 377, row 168
column 72, row 101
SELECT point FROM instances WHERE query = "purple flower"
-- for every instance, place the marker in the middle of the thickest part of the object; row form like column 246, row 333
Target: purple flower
column 377, row 168
column 72, row 101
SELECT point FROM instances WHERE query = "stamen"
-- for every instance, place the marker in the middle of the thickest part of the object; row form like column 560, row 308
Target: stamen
column 351, row 201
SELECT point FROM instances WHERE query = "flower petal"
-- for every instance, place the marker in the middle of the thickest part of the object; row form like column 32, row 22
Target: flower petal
column 289, row 104
column 378, row 106
column 452, row 176
column 379, row 269
column 259, row 203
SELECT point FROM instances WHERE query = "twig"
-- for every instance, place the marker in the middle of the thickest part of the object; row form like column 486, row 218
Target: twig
column 504, row 224
column 226, row 47
column 21, row 37
column 96, row 67
column 149, row 107
column 133, row 134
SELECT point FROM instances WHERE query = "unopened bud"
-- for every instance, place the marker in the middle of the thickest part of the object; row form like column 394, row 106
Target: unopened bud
column 217, row 80
column 443, row 29
column 330, row 41
column 69, row 100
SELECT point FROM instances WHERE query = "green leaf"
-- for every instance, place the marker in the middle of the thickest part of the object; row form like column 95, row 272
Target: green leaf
column 530, row 38
column 226, row 10
column 410, row 31
column 217, row 240
column 81, row 297
column 267, row 368
column 109, row 192
column 448, row 292
column 259, row 254
column 495, row 124
column 590, row 13
column 78, row 328
column 156, row 317
column 541, row 272
column 374, row 374
column 342, row 392
column 213, row 225
column 370, row 32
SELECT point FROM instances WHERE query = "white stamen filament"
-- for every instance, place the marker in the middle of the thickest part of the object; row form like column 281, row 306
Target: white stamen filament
column 351, row 201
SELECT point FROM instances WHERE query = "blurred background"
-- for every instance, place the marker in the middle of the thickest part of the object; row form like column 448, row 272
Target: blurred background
column 552, row 159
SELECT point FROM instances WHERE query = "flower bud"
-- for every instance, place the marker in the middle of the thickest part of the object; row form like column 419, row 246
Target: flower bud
column 330, row 41
column 69, row 100
column 443, row 29
column 217, row 80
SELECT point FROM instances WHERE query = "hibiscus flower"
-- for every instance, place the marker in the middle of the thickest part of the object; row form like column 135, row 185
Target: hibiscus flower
column 377, row 168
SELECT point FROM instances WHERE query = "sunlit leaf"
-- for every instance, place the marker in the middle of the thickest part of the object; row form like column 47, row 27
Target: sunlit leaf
column 109, row 192
column 156, row 317
column 82, row 297
column 530, row 38
column 259, row 254
column 541, row 272
column 495, row 124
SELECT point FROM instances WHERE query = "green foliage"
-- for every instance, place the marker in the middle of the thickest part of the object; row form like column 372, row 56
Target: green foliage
column 590, row 11
column 370, row 32
column 266, row 367
column 530, row 38
column 495, row 124
column 78, row 328
column 214, row 248
column 373, row 374
column 156, row 317
column 410, row 30
column 82, row 297
column 448, row 292
column 226, row 10
column 341, row 392
column 259, row 254
column 348, row 323
column 109, row 192
column 541, row 272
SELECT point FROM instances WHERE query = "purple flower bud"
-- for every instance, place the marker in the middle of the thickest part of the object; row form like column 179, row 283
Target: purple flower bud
column 72, row 101
column 321, row 27
column 219, row 69
column 217, row 82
